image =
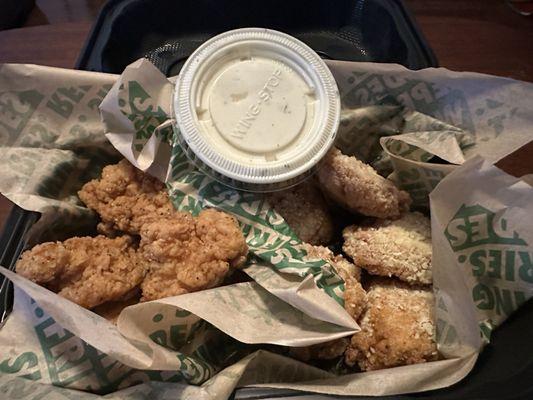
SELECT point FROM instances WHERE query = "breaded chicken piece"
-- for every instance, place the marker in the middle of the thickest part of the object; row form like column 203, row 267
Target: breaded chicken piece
column 126, row 198
column 400, row 248
column 358, row 187
column 112, row 309
column 397, row 327
column 344, row 268
column 182, row 253
column 88, row 271
column 304, row 209
column 187, row 254
column 354, row 294
column 354, row 302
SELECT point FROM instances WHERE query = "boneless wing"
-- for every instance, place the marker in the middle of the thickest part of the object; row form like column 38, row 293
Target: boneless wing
column 305, row 211
column 355, row 300
column 359, row 188
column 354, row 294
column 400, row 248
column 182, row 253
column 88, row 271
column 397, row 327
column 126, row 198
column 187, row 254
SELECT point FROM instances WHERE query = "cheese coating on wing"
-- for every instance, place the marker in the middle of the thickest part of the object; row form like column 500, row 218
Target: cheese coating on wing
column 397, row 327
column 359, row 188
column 306, row 212
column 400, row 248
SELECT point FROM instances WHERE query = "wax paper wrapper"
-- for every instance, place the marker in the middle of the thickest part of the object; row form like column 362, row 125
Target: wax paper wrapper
column 211, row 338
column 420, row 125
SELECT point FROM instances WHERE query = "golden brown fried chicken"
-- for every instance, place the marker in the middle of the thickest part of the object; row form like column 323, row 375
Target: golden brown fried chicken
column 354, row 294
column 306, row 212
column 344, row 268
column 354, row 302
column 400, row 248
column 358, row 187
column 112, row 309
column 182, row 253
column 187, row 254
column 126, row 198
column 397, row 327
column 88, row 271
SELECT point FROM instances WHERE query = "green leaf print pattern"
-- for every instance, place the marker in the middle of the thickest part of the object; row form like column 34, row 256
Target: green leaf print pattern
column 267, row 234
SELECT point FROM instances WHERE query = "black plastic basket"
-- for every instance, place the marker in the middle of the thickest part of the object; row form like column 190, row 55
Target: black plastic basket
column 168, row 31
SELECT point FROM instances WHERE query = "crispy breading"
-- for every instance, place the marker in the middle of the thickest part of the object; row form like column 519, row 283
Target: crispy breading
column 354, row 298
column 354, row 294
column 358, row 187
column 88, row 271
column 400, row 248
column 187, row 254
column 354, row 303
column 344, row 267
column 112, row 309
column 182, row 253
column 397, row 327
column 126, row 198
column 304, row 209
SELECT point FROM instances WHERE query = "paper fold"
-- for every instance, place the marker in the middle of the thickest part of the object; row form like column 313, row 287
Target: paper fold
column 424, row 128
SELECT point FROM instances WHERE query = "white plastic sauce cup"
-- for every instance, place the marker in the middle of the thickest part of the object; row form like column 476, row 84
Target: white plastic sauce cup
column 256, row 109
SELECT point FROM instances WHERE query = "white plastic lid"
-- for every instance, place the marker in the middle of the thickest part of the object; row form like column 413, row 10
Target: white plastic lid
column 258, row 108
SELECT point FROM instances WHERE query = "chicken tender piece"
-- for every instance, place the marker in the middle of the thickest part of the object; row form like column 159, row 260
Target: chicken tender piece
column 358, row 187
column 397, row 327
column 126, row 198
column 187, row 254
column 304, row 209
column 400, row 248
column 354, row 294
column 354, row 303
column 88, row 271
column 344, row 268
column 112, row 309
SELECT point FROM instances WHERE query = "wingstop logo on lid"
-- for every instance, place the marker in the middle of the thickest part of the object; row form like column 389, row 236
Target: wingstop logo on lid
column 264, row 95
column 484, row 241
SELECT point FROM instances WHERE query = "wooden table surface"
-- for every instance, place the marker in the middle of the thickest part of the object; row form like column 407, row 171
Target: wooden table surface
column 478, row 35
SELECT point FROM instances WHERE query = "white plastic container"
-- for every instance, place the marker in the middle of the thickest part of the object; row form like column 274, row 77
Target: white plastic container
column 256, row 109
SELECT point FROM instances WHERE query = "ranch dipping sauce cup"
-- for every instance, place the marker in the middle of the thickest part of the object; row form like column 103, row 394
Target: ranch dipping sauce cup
column 256, row 109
